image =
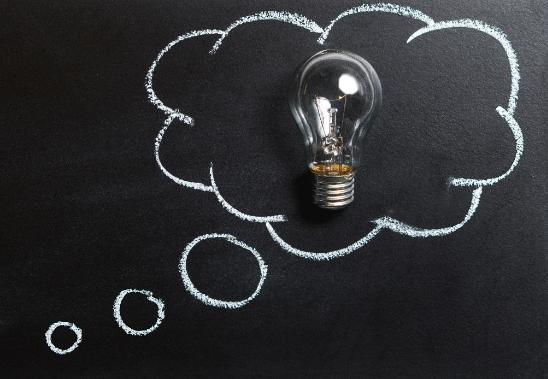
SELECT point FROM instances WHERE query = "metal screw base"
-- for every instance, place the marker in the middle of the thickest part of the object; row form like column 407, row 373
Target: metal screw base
column 333, row 192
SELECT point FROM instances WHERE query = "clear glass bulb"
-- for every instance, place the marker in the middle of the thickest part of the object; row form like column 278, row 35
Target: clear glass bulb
column 334, row 98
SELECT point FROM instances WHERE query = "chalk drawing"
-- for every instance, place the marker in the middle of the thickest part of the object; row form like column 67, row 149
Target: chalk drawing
column 118, row 317
column 193, row 185
column 203, row 297
column 236, row 212
column 518, row 137
column 311, row 26
column 385, row 8
column 496, row 34
column 173, row 114
column 72, row 327
column 322, row 256
column 152, row 95
column 290, row 18
column 411, row 231
column 392, row 224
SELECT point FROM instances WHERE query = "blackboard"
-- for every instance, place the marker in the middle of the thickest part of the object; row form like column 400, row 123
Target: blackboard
column 156, row 206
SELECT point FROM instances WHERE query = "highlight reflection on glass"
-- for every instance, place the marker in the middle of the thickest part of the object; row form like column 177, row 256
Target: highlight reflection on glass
column 334, row 99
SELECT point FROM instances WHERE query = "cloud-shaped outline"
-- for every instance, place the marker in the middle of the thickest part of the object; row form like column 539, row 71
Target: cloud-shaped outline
column 383, row 222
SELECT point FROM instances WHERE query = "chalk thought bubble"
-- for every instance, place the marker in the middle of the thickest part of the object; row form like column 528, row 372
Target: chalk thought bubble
column 477, row 185
column 307, row 26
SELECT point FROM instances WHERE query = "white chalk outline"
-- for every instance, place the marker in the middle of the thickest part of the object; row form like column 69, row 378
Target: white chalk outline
column 311, row 26
column 193, row 185
column 291, row 18
column 322, row 256
column 209, row 300
column 381, row 7
column 171, row 112
column 118, row 316
column 237, row 213
column 401, row 228
column 494, row 32
column 72, row 327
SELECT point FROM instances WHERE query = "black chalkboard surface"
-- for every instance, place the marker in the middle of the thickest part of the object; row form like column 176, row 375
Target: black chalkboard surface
column 156, row 205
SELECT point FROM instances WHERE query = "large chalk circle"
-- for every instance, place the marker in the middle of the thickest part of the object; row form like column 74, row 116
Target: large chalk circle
column 203, row 297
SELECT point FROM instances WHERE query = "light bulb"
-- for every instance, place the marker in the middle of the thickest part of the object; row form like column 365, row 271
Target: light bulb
column 334, row 98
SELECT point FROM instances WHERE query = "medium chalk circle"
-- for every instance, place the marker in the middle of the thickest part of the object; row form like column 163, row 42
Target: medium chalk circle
column 72, row 327
column 203, row 297
column 118, row 302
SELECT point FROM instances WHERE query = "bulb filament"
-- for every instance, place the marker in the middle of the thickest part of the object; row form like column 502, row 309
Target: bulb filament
column 332, row 142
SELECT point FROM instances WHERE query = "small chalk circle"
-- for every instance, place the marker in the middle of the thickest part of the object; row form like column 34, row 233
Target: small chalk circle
column 72, row 327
